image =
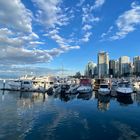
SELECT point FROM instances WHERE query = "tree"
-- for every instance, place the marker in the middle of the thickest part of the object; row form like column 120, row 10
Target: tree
column 77, row 75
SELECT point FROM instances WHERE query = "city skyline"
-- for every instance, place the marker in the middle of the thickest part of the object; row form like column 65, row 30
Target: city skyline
column 43, row 37
column 107, row 67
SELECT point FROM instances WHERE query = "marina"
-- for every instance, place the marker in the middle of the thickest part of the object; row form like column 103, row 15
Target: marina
column 66, row 85
column 69, row 70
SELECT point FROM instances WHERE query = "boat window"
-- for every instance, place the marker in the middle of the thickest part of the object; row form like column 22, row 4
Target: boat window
column 103, row 86
column 127, row 85
column 124, row 85
column 26, row 82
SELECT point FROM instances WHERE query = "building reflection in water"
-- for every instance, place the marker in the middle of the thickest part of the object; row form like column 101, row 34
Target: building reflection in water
column 103, row 102
column 27, row 100
column 136, row 98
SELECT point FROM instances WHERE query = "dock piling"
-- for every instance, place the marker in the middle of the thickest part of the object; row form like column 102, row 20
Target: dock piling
column 4, row 84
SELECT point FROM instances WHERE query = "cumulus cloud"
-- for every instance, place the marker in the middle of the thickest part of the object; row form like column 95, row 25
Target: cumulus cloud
column 62, row 42
column 18, row 56
column 50, row 13
column 19, row 44
column 9, row 38
column 126, row 23
column 13, row 14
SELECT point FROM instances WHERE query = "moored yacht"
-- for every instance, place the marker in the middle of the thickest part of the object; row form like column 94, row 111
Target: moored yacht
column 104, row 89
column 124, row 88
column 85, row 86
column 21, row 85
column 73, row 89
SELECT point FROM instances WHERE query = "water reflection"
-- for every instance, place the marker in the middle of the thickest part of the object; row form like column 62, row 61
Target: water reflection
column 85, row 96
column 125, row 100
column 26, row 115
column 103, row 102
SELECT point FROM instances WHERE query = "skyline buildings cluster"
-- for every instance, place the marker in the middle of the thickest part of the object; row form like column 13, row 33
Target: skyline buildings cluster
column 106, row 67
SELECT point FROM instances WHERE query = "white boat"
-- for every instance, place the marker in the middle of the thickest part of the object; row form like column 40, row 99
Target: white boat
column 43, row 83
column 124, row 88
column 73, row 89
column 104, row 89
column 21, row 85
column 85, row 86
column 15, row 85
column 32, row 83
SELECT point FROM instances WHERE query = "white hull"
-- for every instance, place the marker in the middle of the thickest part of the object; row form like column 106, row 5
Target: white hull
column 84, row 89
column 124, row 91
column 103, row 92
column 15, row 87
column 73, row 90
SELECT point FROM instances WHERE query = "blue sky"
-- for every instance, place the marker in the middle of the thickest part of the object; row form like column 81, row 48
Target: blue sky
column 42, row 35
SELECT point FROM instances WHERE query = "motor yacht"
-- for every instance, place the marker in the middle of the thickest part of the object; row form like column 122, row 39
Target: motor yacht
column 124, row 88
column 104, row 89
column 85, row 86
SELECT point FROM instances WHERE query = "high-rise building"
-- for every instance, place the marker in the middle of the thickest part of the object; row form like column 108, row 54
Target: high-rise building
column 112, row 67
column 103, row 64
column 136, row 63
column 116, row 68
column 124, row 66
column 91, row 69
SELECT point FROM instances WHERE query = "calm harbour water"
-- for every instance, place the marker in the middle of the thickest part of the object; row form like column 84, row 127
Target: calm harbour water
column 26, row 116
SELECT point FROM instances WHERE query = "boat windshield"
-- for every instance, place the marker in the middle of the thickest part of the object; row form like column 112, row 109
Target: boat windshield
column 103, row 86
column 124, row 85
column 26, row 82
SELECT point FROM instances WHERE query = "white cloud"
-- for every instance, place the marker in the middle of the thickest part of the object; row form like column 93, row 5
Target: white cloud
column 36, row 43
column 86, row 27
column 19, row 56
column 4, row 32
column 9, row 38
column 98, row 4
column 62, row 42
column 126, row 23
column 105, row 34
column 86, row 37
column 14, row 15
column 88, row 17
column 50, row 13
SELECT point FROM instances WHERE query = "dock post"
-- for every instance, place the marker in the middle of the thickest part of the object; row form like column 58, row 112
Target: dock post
column 4, row 84
column 44, row 86
column 21, row 86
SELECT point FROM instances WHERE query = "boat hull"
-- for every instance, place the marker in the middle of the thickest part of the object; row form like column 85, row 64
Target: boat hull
column 84, row 89
column 104, row 92
column 124, row 93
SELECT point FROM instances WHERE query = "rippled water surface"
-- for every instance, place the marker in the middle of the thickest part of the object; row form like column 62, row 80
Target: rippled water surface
column 35, row 116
